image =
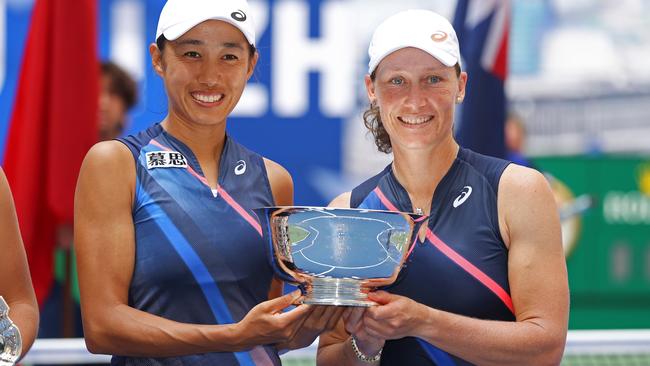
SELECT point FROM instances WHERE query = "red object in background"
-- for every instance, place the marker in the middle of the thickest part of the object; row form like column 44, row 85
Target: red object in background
column 52, row 126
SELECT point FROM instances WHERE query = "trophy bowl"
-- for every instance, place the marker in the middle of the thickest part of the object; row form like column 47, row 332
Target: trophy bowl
column 337, row 255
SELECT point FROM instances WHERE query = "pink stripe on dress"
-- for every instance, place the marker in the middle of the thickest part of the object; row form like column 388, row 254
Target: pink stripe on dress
column 242, row 212
column 471, row 269
column 385, row 200
column 457, row 258
column 231, row 201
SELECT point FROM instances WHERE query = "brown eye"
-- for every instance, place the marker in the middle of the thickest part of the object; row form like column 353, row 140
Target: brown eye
column 192, row 54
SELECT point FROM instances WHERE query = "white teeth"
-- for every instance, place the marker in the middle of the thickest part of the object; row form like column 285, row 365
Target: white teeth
column 207, row 98
column 415, row 120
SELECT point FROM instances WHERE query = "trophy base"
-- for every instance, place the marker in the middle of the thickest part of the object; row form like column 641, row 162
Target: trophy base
column 337, row 292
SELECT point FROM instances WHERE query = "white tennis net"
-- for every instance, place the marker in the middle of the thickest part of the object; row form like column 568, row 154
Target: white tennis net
column 583, row 348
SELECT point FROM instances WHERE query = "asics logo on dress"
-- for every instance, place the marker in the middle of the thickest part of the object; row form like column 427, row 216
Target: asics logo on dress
column 240, row 168
column 464, row 195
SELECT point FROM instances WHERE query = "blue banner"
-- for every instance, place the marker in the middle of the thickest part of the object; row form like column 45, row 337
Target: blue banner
column 483, row 31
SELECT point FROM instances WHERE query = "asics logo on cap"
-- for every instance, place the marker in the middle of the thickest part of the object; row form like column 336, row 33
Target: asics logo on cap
column 238, row 15
column 464, row 195
column 240, row 168
column 439, row 36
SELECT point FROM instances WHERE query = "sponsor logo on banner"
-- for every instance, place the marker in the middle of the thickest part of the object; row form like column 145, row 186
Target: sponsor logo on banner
column 630, row 207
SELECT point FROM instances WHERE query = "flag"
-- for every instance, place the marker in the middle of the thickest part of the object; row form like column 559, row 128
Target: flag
column 52, row 126
column 483, row 28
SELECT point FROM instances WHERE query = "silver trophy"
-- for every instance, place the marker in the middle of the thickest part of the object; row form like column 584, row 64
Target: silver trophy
column 10, row 341
column 337, row 255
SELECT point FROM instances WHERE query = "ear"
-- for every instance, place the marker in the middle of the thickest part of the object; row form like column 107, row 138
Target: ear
column 462, row 83
column 370, row 89
column 251, row 65
column 156, row 59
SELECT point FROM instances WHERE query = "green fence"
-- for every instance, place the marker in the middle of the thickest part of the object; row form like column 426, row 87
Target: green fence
column 606, row 232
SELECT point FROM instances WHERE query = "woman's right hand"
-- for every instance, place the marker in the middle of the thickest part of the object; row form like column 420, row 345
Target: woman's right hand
column 266, row 323
column 353, row 320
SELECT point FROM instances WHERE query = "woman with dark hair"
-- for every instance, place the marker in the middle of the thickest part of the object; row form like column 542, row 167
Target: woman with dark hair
column 172, row 267
column 486, row 282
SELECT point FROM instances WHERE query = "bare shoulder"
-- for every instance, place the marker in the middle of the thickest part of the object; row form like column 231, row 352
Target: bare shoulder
column 523, row 185
column 108, row 153
column 281, row 183
column 9, row 233
column 107, row 170
column 110, row 158
column 276, row 171
column 525, row 201
column 342, row 201
column 10, row 240
column 5, row 192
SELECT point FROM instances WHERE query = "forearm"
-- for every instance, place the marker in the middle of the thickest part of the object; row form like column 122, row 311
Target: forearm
column 487, row 342
column 25, row 317
column 131, row 332
column 340, row 354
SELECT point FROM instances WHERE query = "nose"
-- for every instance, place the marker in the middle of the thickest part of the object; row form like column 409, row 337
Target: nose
column 415, row 97
column 210, row 75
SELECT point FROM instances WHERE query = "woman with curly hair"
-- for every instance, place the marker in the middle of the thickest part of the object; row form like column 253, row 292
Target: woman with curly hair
column 486, row 283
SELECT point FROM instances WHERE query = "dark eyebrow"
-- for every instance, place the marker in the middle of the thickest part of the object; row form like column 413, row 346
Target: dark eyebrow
column 182, row 42
column 233, row 45
column 196, row 42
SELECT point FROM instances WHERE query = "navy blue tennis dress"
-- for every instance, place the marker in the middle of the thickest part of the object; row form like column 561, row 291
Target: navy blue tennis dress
column 462, row 266
column 198, row 258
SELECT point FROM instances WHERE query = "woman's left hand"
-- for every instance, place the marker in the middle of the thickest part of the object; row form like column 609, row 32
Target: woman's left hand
column 395, row 317
column 322, row 318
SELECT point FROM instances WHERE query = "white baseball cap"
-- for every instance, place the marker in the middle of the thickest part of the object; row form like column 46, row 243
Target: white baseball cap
column 419, row 28
column 179, row 16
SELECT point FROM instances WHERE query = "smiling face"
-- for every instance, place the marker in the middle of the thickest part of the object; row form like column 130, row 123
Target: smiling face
column 205, row 72
column 416, row 95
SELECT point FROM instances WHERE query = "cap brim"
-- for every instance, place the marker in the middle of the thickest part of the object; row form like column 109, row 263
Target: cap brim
column 177, row 30
column 440, row 55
